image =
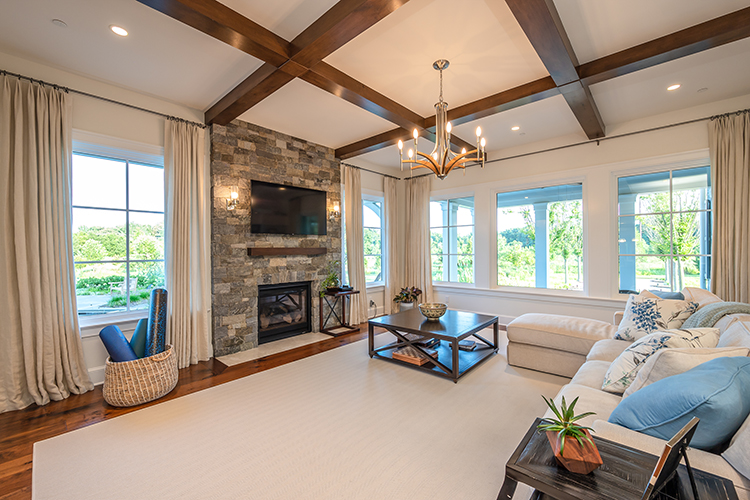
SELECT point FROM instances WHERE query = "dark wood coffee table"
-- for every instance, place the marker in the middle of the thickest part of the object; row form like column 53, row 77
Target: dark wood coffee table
column 624, row 474
column 453, row 327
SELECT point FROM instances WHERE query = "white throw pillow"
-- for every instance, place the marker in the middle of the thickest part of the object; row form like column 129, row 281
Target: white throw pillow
column 623, row 371
column 699, row 295
column 738, row 453
column 646, row 314
column 667, row 362
column 737, row 335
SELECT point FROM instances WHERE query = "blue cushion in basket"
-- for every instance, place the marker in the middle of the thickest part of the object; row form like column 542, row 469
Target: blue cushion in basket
column 117, row 345
column 716, row 392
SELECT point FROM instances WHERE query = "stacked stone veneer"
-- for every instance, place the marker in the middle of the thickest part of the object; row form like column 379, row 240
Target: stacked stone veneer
column 241, row 152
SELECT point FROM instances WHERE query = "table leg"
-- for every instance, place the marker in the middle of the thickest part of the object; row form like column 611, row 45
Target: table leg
column 343, row 310
column 496, row 334
column 508, row 489
column 455, row 361
column 371, row 338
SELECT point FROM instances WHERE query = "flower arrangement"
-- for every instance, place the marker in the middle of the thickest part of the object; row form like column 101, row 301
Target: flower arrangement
column 407, row 295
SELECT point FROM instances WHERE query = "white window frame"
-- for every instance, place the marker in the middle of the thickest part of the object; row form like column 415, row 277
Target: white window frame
column 383, row 261
column 107, row 147
column 446, row 228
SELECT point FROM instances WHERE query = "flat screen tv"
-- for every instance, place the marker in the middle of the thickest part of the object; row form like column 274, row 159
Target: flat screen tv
column 279, row 209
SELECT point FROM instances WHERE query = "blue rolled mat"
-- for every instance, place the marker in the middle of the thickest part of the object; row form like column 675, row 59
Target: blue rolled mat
column 117, row 345
column 156, row 333
column 138, row 340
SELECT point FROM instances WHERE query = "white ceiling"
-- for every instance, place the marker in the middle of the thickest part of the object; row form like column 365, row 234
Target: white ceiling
column 485, row 45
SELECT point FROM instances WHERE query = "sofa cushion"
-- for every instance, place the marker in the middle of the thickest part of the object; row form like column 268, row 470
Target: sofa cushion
column 591, row 374
column 738, row 453
column 699, row 295
column 543, row 359
column 607, row 350
column 589, row 399
column 646, row 314
column 715, row 392
column 624, row 369
column 565, row 333
column 724, row 323
column 737, row 335
column 667, row 362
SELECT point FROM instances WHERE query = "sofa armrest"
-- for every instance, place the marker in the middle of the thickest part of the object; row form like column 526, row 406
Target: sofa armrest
column 617, row 318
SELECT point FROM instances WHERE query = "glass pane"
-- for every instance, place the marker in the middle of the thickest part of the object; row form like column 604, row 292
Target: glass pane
column 372, row 242
column 100, row 288
column 436, row 240
column 692, row 271
column 642, row 194
column 98, row 234
column 461, row 240
column 438, row 265
column 691, row 189
column 98, row 182
column 565, row 230
column 144, row 277
column 465, row 265
column 146, row 236
column 373, row 268
column 371, row 213
column 516, row 224
column 642, row 273
column 146, row 188
column 461, row 211
column 515, row 263
column 438, row 213
column 645, row 234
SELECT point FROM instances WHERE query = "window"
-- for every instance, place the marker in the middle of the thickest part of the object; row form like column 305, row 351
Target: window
column 372, row 221
column 540, row 237
column 452, row 239
column 664, row 235
column 118, row 233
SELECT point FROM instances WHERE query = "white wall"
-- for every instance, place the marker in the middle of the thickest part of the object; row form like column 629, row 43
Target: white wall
column 597, row 166
column 115, row 121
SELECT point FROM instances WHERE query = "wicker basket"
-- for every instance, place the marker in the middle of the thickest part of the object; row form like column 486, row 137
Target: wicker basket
column 131, row 383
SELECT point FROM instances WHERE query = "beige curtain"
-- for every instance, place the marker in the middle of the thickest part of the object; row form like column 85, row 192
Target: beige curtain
column 188, row 232
column 729, row 143
column 355, row 243
column 418, row 266
column 41, row 357
column 391, row 245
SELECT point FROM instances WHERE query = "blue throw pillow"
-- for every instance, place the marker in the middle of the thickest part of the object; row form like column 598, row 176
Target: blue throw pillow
column 716, row 392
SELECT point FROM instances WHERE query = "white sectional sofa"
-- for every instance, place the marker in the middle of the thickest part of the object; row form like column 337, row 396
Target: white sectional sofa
column 583, row 349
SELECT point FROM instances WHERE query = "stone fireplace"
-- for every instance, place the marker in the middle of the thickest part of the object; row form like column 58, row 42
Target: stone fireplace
column 283, row 311
column 241, row 152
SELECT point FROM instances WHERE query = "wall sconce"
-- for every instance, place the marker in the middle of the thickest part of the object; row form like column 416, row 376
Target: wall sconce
column 234, row 198
column 334, row 214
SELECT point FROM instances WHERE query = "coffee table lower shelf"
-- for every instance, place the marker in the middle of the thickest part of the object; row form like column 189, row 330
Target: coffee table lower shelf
column 466, row 359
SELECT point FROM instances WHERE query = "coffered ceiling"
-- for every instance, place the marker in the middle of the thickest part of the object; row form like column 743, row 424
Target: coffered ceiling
column 360, row 71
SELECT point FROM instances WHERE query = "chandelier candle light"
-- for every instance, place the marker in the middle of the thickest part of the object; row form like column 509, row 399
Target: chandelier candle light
column 442, row 160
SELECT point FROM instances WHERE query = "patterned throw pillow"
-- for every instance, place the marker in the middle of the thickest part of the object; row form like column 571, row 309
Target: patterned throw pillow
column 624, row 369
column 646, row 314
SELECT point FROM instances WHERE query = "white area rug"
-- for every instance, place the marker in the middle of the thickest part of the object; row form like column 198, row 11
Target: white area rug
column 273, row 348
column 337, row 425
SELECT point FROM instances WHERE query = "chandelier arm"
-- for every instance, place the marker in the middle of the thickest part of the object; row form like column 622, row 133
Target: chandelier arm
column 422, row 164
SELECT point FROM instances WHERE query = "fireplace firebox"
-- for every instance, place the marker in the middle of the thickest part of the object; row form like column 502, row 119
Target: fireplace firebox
column 284, row 310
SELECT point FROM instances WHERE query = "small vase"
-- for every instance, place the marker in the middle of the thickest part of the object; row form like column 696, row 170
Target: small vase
column 576, row 458
column 403, row 306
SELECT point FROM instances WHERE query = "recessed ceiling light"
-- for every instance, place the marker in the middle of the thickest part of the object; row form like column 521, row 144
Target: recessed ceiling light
column 60, row 23
column 118, row 31
column 674, row 87
column 701, row 90
column 515, row 128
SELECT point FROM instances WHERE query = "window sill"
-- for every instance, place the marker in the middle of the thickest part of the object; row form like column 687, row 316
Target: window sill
column 375, row 287
column 90, row 327
column 538, row 295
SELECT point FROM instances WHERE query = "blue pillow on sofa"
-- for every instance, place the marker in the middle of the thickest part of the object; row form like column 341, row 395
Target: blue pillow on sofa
column 715, row 391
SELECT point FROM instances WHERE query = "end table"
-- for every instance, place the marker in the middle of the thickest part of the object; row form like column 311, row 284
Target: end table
column 343, row 327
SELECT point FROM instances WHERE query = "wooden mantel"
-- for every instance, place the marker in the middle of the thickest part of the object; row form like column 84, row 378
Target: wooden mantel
column 259, row 251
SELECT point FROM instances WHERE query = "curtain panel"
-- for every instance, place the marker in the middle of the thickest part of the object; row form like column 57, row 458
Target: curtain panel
column 187, row 235
column 418, row 265
column 355, row 252
column 729, row 144
column 41, row 356
column 391, row 245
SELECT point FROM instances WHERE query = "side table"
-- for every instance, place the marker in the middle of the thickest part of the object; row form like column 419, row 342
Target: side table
column 343, row 327
column 624, row 475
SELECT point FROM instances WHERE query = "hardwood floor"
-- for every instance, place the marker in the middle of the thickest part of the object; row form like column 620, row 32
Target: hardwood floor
column 19, row 430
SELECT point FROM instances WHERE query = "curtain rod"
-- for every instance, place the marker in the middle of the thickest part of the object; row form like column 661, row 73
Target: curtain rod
column 94, row 96
column 372, row 171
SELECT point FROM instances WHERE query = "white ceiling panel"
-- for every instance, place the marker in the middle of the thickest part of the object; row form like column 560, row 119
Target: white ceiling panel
column 597, row 28
column 286, row 18
column 160, row 56
column 302, row 110
column 485, row 45
column 645, row 93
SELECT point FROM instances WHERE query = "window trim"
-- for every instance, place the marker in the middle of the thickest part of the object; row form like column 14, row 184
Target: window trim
column 383, row 260
column 448, row 197
column 107, row 147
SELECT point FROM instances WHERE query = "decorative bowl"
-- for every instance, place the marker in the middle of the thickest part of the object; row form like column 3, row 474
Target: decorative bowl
column 433, row 310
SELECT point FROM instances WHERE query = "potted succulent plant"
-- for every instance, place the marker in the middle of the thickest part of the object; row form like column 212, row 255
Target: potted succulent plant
column 407, row 297
column 572, row 444
column 331, row 281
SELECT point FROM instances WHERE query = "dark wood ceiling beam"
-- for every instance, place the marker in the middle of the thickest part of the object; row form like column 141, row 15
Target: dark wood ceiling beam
column 219, row 21
column 373, row 144
column 541, row 22
column 714, row 33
